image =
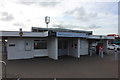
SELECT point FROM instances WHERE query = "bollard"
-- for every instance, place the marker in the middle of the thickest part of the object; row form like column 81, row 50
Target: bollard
column 116, row 55
column 101, row 54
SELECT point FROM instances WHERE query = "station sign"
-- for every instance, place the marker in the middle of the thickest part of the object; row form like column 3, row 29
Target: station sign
column 70, row 34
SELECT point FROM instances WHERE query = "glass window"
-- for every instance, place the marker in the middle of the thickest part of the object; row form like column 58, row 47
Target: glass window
column 63, row 44
column 40, row 44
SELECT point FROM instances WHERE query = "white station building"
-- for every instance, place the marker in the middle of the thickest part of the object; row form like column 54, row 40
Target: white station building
column 50, row 42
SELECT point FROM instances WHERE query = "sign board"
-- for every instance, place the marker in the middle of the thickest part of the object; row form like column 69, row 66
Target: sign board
column 70, row 34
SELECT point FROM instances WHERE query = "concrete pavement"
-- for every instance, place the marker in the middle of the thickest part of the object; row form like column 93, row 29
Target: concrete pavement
column 66, row 67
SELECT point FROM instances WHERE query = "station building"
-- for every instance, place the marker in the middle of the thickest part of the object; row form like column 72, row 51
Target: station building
column 50, row 42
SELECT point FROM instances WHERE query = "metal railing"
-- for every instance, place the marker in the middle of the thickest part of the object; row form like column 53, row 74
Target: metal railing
column 5, row 67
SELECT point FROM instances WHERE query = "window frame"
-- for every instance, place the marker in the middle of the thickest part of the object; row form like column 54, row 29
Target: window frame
column 39, row 43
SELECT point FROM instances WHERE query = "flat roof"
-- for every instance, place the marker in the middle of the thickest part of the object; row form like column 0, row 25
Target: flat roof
column 60, row 30
column 100, row 37
column 44, row 32
column 59, row 34
column 25, row 34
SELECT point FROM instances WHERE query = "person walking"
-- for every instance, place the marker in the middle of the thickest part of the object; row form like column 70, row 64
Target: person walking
column 101, row 49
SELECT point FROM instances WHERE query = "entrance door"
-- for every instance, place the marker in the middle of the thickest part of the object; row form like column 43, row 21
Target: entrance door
column 83, row 47
column 74, row 47
column 62, row 47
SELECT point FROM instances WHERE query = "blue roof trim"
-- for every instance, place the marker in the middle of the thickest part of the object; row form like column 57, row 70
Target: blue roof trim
column 69, row 34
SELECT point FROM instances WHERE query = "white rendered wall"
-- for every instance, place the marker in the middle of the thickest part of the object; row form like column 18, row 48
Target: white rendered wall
column 72, row 50
column 18, row 51
column 83, row 47
column 105, row 44
column 53, row 48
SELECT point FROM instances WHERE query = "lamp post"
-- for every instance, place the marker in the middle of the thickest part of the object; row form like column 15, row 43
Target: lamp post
column 47, row 20
column 5, row 66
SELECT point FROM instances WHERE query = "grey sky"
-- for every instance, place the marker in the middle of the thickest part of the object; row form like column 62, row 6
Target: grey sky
column 98, row 16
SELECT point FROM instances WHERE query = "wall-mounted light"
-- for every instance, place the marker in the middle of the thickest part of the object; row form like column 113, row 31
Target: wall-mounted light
column 21, row 32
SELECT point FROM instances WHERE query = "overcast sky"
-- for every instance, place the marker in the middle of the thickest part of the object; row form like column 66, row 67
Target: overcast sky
column 99, row 16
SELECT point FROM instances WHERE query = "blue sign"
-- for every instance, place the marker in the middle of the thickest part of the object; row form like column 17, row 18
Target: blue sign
column 70, row 34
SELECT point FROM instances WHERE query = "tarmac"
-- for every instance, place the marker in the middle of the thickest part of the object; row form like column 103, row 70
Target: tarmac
column 66, row 67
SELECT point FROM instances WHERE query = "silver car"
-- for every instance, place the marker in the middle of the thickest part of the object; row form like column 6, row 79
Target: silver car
column 113, row 46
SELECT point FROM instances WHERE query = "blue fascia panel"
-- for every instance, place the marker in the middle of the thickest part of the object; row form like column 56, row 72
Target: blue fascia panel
column 70, row 34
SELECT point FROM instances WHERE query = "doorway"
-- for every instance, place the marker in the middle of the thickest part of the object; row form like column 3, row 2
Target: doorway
column 62, row 47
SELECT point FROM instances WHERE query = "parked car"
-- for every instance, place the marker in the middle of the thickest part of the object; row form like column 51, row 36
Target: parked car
column 118, row 47
column 113, row 46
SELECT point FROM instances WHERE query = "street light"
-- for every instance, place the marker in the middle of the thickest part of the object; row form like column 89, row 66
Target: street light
column 47, row 20
column 5, row 66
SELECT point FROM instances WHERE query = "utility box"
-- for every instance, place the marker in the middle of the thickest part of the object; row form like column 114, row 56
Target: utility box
column 28, row 45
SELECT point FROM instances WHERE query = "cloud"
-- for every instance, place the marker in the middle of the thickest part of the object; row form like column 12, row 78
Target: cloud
column 81, row 14
column 4, row 13
column 89, row 27
column 93, row 26
column 47, row 4
column 58, row 25
column 43, row 3
column 28, row 20
column 6, row 17
column 24, row 24
column 18, row 24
